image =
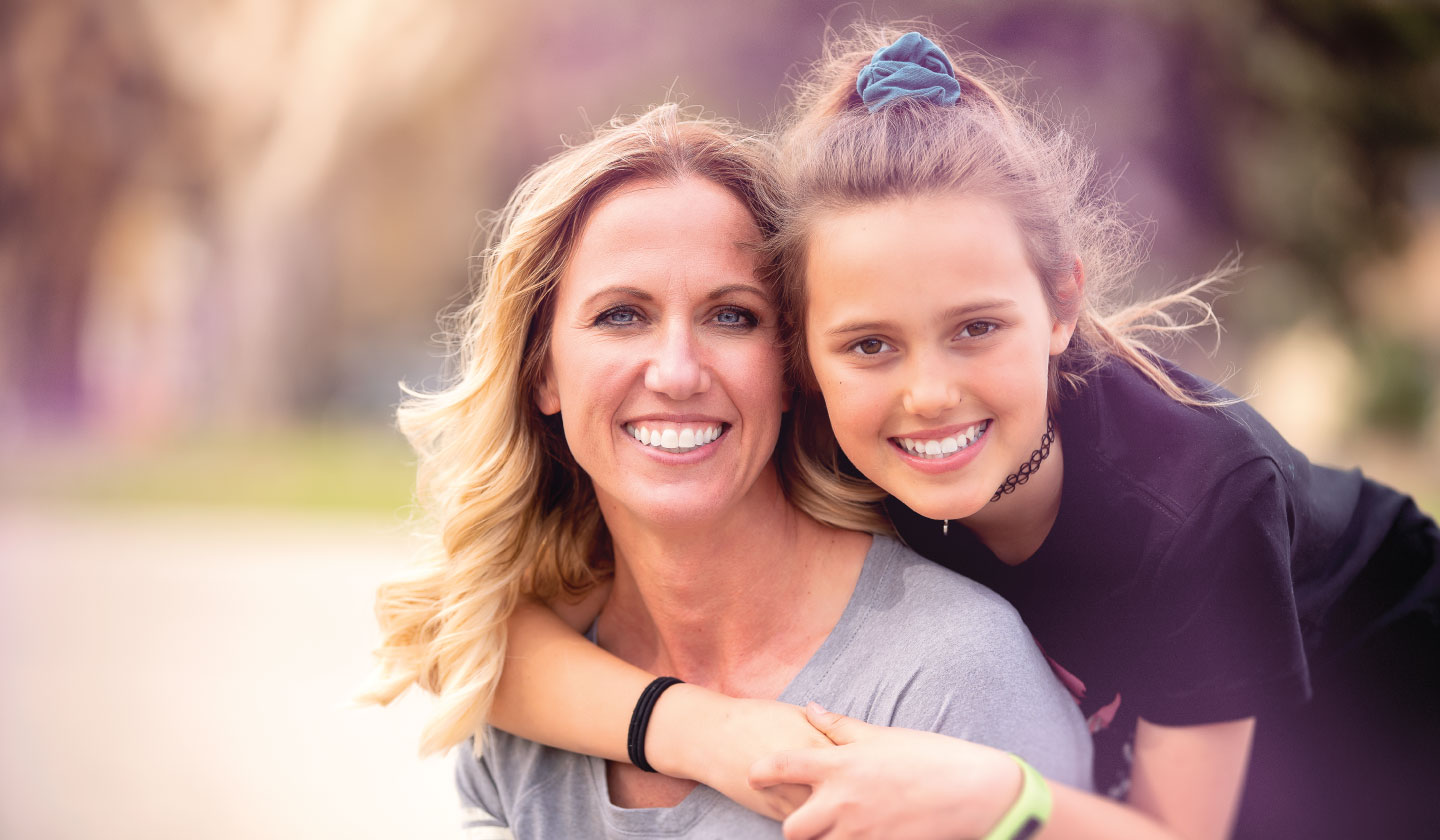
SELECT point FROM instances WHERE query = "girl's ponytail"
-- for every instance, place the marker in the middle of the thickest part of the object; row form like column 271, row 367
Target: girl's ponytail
column 886, row 114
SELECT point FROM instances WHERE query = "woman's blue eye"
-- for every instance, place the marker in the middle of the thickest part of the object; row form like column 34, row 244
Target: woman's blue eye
column 620, row 316
column 869, row 347
column 736, row 318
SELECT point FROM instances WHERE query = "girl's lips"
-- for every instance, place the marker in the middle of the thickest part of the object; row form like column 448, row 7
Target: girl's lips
column 943, row 454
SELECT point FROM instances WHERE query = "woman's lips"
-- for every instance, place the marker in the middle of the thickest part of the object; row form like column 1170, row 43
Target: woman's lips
column 675, row 438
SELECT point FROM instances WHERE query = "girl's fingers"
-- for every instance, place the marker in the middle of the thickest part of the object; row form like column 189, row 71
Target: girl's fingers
column 791, row 767
column 811, row 821
column 783, row 800
column 838, row 728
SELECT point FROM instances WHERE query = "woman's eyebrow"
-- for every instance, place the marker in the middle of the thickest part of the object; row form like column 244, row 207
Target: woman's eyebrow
column 618, row 291
column 731, row 288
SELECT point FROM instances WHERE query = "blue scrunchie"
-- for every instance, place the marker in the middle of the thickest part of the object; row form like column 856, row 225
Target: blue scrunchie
column 912, row 66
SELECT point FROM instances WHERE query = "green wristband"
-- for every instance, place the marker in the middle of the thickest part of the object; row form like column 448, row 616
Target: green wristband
column 1030, row 810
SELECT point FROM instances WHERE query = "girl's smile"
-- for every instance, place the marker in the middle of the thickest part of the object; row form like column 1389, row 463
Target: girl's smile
column 930, row 338
column 938, row 450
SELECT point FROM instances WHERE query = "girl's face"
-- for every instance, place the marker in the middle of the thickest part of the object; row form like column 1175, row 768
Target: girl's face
column 930, row 337
column 663, row 361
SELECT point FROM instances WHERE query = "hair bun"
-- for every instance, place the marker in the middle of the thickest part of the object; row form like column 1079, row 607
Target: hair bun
column 912, row 66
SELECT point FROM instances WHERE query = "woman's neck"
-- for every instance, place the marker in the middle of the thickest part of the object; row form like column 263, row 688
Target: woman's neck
column 738, row 605
column 1015, row 526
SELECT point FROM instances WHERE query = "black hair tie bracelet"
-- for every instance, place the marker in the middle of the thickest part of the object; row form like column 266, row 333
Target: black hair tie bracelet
column 640, row 720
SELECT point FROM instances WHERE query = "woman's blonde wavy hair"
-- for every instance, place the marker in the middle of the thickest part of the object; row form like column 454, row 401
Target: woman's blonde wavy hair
column 837, row 155
column 508, row 511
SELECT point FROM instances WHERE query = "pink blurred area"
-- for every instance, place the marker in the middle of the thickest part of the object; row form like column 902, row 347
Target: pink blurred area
column 246, row 214
column 236, row 220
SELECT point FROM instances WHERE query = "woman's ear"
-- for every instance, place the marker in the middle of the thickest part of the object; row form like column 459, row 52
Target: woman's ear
column 547, row 396
column 1070, row 297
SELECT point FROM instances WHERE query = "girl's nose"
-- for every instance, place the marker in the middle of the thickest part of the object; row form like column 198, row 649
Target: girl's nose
column 677, row 370
column 931, row 392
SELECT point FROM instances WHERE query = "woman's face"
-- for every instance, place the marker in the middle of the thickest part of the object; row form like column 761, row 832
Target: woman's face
column 663, row 363
column 930, row 337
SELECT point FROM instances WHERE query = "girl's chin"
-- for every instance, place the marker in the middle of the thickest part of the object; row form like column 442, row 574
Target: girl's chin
column 944, row 506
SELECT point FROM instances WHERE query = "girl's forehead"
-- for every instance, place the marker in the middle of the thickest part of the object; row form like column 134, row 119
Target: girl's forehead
column 955, row 236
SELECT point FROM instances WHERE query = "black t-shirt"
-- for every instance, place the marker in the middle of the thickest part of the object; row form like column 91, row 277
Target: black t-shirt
column 1192, row 565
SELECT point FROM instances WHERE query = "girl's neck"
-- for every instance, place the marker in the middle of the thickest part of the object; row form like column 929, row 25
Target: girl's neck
column 738, row 605
column 1016, row 525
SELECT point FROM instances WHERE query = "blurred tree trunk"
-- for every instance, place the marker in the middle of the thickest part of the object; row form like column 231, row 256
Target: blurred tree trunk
column 80, row 106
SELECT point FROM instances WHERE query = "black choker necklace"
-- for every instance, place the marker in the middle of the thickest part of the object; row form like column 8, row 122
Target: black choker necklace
column 1028, row 468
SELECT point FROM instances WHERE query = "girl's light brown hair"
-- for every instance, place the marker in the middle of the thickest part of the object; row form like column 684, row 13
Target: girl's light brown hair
column 837, row 156
column 508, row 510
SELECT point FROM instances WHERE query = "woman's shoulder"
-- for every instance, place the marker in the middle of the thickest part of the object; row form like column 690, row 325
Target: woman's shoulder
column 946, row 654
column 916, row 592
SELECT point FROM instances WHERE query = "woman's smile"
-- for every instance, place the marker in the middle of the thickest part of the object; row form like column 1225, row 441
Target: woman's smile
column 664, row 362
column 675, row 438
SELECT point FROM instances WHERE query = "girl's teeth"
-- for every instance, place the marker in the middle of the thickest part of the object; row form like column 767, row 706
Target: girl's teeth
column 673, row 439
column 938, row 448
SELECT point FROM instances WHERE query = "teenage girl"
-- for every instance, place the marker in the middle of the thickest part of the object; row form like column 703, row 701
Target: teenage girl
column 1187, row 572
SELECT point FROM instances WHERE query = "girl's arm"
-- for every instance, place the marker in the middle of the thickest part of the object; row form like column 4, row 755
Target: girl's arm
column 559, row 689
column 884, row 782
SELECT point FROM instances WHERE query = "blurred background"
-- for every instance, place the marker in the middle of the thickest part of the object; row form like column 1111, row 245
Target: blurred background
column 226, row 229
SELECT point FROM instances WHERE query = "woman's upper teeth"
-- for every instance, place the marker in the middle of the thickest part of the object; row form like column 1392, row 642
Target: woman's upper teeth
column 674, row 438
column 939, row 447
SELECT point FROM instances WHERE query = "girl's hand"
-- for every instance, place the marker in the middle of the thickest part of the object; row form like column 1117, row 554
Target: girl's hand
column 890, row 782
column 700, row 734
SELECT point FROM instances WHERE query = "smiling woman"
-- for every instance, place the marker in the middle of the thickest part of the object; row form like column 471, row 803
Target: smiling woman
column 621, row 418
column 662, row 329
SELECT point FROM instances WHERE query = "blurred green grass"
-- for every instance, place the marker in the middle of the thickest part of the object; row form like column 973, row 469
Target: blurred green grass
column 309, row 469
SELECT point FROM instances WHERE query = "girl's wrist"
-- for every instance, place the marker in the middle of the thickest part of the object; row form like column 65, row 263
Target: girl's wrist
column 999, row 788
column 1030, row 809
column 672, row 742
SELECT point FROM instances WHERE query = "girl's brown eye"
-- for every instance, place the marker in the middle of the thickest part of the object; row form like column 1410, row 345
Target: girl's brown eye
column 869, row 346
column 978, row 329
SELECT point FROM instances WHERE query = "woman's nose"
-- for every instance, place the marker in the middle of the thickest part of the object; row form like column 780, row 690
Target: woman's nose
column 677, row 370
column 930, row 392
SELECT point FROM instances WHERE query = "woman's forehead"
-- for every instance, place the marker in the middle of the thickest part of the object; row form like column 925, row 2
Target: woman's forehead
column 656, row 232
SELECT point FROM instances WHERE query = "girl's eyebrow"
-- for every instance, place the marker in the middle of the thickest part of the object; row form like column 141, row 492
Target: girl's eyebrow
column 857, row 326
column 954, row 313
column 975, row 307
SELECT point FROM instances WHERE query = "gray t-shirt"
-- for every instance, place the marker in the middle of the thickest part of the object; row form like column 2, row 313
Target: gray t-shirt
column 918, row 646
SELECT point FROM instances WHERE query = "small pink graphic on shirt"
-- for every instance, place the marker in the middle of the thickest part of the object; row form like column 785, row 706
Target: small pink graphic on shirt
column 1073, row 684
column 1104, row 715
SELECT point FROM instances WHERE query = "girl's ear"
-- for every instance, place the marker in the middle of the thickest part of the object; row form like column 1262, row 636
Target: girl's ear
column 547, row 397
column 1070, row 294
